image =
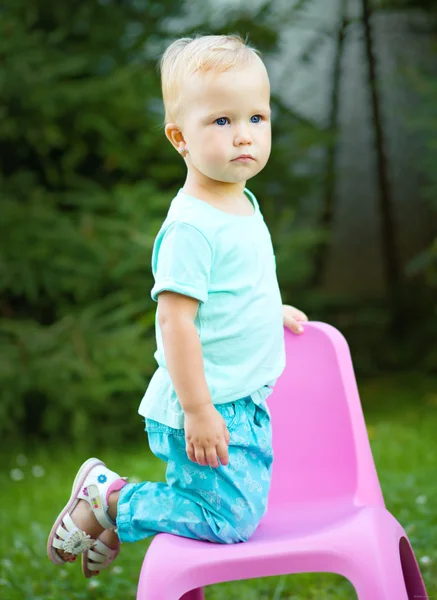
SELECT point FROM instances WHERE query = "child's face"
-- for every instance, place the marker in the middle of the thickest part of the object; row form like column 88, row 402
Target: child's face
column 224, row 116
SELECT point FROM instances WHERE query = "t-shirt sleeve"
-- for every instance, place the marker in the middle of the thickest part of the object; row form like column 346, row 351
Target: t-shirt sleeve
column 181, row 262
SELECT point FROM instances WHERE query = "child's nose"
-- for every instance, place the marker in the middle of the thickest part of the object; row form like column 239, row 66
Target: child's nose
column 242, row 135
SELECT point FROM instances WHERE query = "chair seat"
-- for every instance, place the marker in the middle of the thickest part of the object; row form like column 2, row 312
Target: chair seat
column 296, row 521
column 315, row 537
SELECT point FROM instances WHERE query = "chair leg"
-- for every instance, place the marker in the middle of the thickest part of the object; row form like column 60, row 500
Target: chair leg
column 196, row 594
column 389, row 575
column 157, row 592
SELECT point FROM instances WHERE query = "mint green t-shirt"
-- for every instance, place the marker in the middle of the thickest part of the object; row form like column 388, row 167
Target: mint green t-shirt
column 226, row 262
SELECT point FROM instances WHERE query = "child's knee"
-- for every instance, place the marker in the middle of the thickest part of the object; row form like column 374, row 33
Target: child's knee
column 242, row 524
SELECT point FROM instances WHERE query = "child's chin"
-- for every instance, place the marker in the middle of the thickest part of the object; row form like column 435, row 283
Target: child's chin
column 237, row 177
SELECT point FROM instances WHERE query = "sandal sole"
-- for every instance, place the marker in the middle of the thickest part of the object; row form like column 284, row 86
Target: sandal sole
column 77, row 484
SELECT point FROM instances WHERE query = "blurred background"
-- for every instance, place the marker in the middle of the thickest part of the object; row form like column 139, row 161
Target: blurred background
column 87, row 176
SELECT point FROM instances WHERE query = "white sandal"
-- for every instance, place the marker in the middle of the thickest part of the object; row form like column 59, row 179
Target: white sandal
column 91, row 484
column 98, row 558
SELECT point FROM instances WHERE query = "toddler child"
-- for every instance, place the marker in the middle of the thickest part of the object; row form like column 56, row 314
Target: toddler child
column 219, row 326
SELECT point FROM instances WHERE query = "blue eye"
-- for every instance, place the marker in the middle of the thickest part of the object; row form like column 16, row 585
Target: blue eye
column 221, row 121
column 257, row 117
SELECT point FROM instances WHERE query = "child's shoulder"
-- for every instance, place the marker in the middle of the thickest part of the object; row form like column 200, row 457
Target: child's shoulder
column 185, row 210
column 184, row 220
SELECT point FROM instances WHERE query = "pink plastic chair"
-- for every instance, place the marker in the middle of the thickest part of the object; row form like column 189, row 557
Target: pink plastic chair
column 326, row 512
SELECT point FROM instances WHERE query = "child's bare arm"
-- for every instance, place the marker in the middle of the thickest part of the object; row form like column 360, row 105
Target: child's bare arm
column 182, row 348
column 205, row 430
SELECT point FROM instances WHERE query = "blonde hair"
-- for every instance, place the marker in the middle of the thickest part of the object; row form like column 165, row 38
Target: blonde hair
column 203, row 53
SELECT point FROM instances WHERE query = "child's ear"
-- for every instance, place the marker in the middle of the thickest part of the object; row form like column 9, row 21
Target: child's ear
column 175, row 136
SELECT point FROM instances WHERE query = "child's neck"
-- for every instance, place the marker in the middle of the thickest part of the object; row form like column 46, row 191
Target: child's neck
column 212, row 190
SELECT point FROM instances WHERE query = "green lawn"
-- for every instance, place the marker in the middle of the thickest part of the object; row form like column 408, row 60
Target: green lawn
column 401, row 414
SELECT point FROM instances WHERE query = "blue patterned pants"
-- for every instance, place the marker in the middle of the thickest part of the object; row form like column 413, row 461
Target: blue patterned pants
column 222, row 505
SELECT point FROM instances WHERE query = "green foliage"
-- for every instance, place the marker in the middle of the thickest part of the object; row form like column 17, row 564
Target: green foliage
column 87, row 179
column 81, row 205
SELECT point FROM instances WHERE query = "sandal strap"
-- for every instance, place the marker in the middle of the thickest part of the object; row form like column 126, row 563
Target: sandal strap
column 101, row 553
column 94, row 490
column 94, row 566
column 104, row 549
column 96, row 504
column 59, row 544
column 101, row 556
column 72, row 539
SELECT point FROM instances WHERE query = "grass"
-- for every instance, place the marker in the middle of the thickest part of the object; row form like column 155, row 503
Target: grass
column 401, row 416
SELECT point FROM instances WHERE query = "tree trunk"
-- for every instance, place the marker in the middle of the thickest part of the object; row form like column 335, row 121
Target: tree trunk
column 389, row 250
column 325, row 222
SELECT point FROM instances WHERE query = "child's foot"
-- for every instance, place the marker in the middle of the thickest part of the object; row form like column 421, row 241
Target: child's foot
column 85, row 517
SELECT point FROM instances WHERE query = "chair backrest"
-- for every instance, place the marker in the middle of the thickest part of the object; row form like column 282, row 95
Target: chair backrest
column 320, row 442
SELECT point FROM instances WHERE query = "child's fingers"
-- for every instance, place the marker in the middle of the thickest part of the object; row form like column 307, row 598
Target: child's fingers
column 222, row 453
column 211, row 457
column 189, row 448
column 200, row 455
column 227, row 435
column 295, row 326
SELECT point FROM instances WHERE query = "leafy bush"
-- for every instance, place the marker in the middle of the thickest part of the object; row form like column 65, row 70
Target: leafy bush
column 83, row 162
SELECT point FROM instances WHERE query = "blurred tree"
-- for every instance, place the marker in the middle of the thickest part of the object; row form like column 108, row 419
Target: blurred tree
column 86, row 179
column 85, row 172
column 422, row 269
column 87, row 176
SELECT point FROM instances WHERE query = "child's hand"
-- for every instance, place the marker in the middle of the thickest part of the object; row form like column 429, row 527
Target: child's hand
column 206, row 436
column 293, row 317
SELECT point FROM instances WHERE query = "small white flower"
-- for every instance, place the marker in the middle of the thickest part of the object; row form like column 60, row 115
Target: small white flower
column 21, row 460
column 17, row 475
column 117, row 570
column 93, row 584
column 38, row 471
column 425, row 560
column 421, row 499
